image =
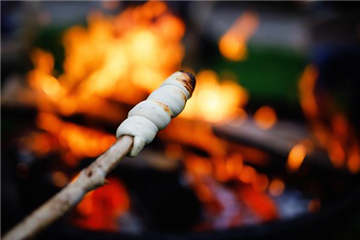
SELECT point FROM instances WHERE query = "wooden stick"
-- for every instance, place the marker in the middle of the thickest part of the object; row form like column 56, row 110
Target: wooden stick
column 140, row 128
column 89, row 179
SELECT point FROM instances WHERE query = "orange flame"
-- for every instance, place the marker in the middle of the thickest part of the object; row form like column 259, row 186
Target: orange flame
column 276, row 187
column 296, row 157
column 114, row 58
column 260, row 182
column 82, row 141
column 336, row 137
column 306, row 91
column 59, row 179
column 233, row 44
column 265, row 117
column 198, row 165
column 114, row 63
column 336, row 152
column 247, row 174
column 354, row 158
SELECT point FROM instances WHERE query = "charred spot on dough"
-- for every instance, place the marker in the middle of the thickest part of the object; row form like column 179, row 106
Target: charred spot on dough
column 184, row 96
column 189, row 83
column 192, row 79
column 165, row 107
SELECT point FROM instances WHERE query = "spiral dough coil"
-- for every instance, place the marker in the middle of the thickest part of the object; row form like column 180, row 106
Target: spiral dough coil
column 155, row 113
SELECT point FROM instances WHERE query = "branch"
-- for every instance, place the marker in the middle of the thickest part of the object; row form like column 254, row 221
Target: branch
column 89, row 179
column 140, row 128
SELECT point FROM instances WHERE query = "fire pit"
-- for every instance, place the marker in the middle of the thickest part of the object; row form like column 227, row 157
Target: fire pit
column 227, row 168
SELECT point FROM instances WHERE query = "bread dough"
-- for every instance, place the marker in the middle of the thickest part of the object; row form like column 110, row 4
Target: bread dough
column 155, row 113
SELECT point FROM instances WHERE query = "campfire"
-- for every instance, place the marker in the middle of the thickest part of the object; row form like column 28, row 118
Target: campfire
column 236, row 165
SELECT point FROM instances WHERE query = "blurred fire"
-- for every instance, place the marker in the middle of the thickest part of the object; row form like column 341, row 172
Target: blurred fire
column 215, row 101
column 232, row 44
column 354, row 158
column 80, row 141
column 276, row 187
column 296, row 157
column 307, row 91
column 115, row 62
column 265, row 117
column 331, row 129
column 314, row 205
column 260, row 203
column 59, row 179
column 113, row 58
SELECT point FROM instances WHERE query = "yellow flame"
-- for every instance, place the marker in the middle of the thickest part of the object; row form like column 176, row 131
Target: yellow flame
column 124, row 58
column 119, row 57
column 42, row 61
column 215, row 101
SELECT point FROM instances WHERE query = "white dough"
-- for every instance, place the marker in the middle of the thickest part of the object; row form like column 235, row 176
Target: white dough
column 170, row 95
column 155, row 113
column 172, row 81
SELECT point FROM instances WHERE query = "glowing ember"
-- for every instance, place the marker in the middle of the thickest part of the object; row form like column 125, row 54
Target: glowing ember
column 336, row 152
column 314, row 205
column 247, row 174
column 198, row 165
column 276, row 187
column 306, row 91
column 336, row 137
column 234, row 165
column 354, row 159
column 260, row 203
column 59, row 179
column 296, row 157
column 260, row 182
column 233, row 44
column 265, row 117
column 101, row 208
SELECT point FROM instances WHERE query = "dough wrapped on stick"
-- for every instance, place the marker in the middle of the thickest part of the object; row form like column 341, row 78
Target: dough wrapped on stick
column 155, row 113
column 139, row 129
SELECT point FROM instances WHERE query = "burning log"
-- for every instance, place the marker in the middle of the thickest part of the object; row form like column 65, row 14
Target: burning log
column 140, row 128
